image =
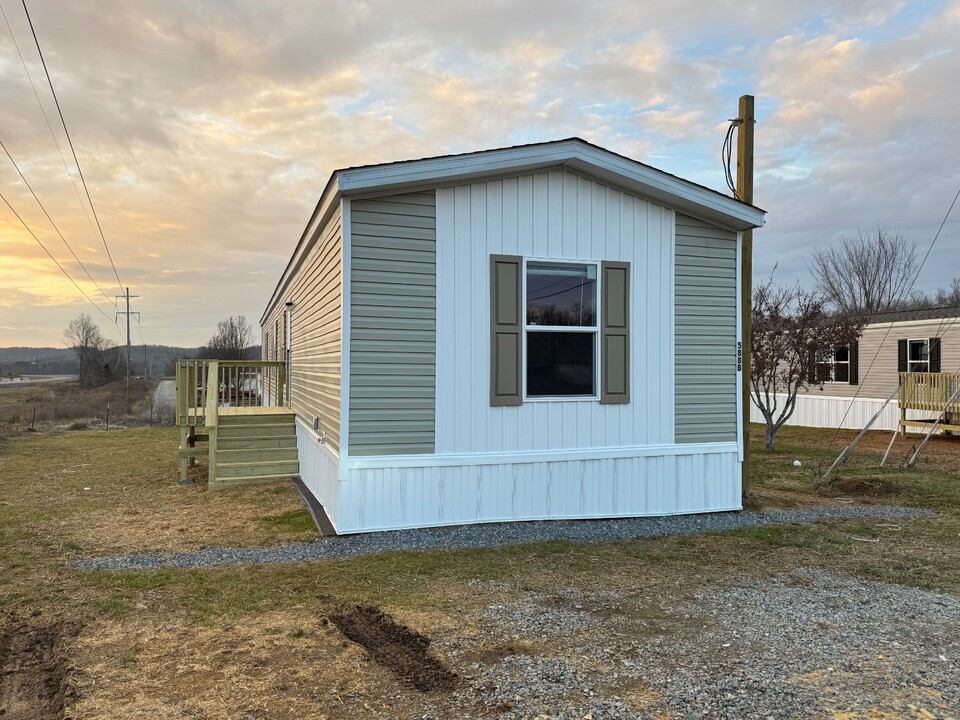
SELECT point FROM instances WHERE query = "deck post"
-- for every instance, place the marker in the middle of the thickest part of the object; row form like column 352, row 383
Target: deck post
column 184, row 460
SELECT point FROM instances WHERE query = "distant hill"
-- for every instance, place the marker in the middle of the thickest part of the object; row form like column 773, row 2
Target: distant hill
column 160, row 360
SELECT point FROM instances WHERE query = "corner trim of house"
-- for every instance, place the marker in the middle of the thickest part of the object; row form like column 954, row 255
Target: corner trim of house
column 411, row 461
column 739, row 402
column 346, row 229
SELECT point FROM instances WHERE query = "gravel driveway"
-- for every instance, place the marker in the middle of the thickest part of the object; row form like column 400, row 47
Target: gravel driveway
column 806, row 645
column 485, row 536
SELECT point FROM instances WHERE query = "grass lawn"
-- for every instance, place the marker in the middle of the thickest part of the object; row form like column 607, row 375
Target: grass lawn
column 149, row 638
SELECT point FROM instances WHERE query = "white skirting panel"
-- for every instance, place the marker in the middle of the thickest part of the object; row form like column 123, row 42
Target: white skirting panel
column 319, row 469
column 828, row 412
column 436, row 491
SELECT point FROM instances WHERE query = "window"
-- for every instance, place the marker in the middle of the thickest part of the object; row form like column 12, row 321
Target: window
column 561, row 329
column 918, row 355
column 834, row 367
column 554, row 325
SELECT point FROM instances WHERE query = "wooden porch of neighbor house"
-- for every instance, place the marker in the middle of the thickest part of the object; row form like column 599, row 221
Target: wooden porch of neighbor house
column 233, row 412
column 935, row 393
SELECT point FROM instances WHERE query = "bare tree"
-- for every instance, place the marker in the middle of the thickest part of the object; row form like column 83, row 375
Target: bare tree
column 949, row 296
column 87, row 342
column 789, row 326
column 231, row 341
column 866, row 274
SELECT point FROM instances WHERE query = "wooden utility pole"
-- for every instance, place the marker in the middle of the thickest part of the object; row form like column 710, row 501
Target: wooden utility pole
column 745, row 193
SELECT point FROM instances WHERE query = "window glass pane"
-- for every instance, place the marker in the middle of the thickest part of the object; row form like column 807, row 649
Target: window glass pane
column 842, row 354
column 562, row 294
column 918, row 350
column 560, row 363
column 841, row 372
column 824, row 372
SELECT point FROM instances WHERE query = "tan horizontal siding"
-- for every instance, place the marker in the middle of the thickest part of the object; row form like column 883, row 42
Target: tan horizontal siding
column 315, row 365
column 879, row 349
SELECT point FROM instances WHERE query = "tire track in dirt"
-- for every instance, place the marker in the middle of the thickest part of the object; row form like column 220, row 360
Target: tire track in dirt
column 396, row 647
column 33, row 668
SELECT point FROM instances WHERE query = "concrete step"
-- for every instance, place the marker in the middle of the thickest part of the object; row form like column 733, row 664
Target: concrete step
column 256, row 469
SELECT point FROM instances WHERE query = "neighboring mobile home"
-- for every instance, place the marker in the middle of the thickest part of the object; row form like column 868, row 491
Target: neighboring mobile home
column 854, row 382
column 544, row 331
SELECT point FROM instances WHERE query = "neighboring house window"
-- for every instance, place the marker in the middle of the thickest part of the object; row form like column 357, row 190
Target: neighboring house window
column 561, row 329
column 834, row 367
column 919, row 355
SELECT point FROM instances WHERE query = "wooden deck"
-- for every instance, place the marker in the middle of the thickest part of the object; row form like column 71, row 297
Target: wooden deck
column 197, row 414
column 934, row 393
column 232, row 412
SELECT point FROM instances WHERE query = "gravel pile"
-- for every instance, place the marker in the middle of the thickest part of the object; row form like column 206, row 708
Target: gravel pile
column 486, row 536
column 810, row 644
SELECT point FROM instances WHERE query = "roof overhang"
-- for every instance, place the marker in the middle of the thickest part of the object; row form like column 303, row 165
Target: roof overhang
column 630, row 175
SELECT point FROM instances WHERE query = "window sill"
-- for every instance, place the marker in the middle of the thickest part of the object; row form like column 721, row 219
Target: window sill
column 563, row 398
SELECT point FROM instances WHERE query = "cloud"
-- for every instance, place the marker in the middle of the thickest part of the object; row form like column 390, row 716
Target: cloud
column 207, row 131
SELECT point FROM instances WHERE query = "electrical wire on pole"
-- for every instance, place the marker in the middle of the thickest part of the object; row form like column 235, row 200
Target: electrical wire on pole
column 57, row 229
column 55, row 261
column 73, row 150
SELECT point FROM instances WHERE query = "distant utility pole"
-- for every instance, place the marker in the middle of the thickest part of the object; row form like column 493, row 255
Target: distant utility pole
column 127, row 297
column 745, row 193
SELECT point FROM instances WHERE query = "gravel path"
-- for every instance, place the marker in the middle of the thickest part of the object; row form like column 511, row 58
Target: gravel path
column 485, row 536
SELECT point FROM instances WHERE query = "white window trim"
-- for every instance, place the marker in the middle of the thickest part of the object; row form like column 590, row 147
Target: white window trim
column 925, row 341
column 833, row 362
column 553, row 328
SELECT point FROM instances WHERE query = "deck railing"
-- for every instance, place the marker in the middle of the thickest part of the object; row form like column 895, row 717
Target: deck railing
column 929, row 391
column 205, row 386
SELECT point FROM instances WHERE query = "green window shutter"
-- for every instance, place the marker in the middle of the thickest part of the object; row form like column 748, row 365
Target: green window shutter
column 506, row 328
column 615, row 333
column 934, row 355
column 902, row 356
column 854, row 363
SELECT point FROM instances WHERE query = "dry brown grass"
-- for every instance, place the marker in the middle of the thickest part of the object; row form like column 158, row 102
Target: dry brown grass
column 53, row 405
column 252, row 641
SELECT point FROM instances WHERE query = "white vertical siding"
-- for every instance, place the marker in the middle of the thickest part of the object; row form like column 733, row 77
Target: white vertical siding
column 386, row 497
column 824, row 411
column 556, row 215
column 319, row 470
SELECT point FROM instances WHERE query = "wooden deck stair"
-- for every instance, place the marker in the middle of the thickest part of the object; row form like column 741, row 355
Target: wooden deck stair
column 254, row 448
column 232, row 412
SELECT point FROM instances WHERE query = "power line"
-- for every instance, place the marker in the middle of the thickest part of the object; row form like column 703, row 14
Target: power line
column 46, row 119
column 73, row 150
column 22, row 222
column 30, row 188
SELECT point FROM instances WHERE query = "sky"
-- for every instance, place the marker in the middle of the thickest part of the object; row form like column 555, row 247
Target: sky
column 207, row 131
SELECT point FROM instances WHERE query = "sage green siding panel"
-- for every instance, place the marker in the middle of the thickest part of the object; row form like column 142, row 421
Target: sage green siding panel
column 393, row 325
column 706, row 332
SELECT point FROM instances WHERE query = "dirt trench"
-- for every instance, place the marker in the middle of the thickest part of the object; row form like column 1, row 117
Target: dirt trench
column 33, row 668
column 396, row 647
